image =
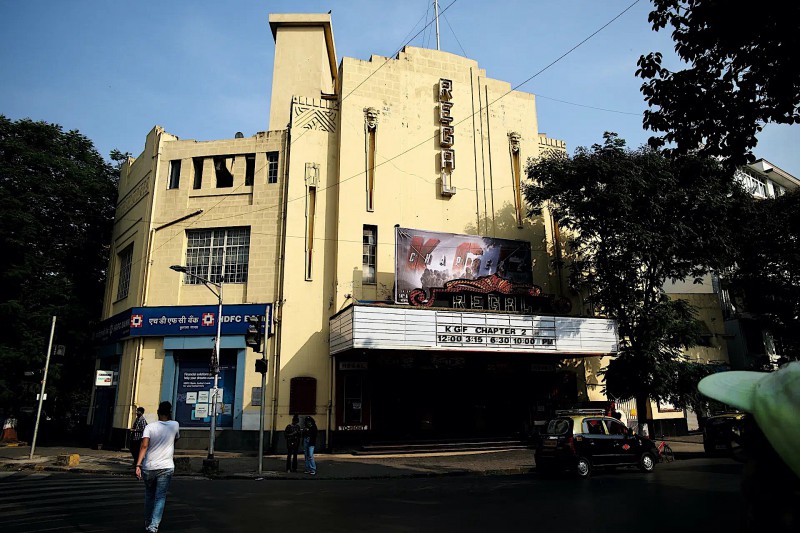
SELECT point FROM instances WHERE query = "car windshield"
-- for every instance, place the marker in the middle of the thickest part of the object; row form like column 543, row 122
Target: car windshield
column 559, row 426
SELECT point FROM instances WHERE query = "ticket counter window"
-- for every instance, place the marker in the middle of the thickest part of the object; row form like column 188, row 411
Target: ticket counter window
column 353, row 399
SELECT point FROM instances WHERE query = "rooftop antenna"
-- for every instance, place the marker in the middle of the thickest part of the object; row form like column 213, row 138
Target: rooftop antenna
column 436, row 11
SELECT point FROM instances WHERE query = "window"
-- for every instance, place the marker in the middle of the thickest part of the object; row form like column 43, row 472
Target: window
column 198, row 172
column 223, row 166
column 272, row 167
column 593, row 426
column 174, row 174
column 219, row 255
column 125, row 258
column 370, row 241
column 753, row 184
column 312, row 179
column 250, row 166
column 616, row 428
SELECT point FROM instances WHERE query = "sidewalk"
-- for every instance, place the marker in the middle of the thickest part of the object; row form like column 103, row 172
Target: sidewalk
column 245, row 465
column 329, row 466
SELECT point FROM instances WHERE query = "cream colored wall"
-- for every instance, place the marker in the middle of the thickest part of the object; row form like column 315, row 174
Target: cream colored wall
column 133, row 222
column 258, row 206
column 308, row 303
column 405, row 91
column 301, row 65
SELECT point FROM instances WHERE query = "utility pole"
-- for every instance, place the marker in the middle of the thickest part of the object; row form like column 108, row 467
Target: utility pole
column 436, row 11
column 44, row 383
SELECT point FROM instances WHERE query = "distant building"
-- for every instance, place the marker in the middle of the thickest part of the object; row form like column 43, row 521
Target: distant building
column 379, row 224
column 731, row 337
column 750, row 345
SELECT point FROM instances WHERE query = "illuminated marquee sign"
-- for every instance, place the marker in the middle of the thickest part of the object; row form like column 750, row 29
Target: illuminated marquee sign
column 447, row 136
column 363, row 327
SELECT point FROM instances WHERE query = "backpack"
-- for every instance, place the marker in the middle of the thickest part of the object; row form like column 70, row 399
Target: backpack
column 292, row 433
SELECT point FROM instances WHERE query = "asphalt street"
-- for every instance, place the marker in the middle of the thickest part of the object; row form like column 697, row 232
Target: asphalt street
column 688, row 495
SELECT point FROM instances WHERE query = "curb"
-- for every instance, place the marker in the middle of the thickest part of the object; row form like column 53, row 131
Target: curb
column 269, row 475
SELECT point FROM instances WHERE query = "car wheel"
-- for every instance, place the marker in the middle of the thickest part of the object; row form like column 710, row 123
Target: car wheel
column 647, row 462
column 584, row 467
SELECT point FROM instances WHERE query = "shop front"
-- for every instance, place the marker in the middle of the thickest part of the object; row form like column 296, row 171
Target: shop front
column 168, row 352
column 405, row 374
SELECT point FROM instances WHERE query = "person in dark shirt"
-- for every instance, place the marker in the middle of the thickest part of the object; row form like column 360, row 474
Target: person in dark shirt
column 136, row 433
column 309, row 443
column 292, row 434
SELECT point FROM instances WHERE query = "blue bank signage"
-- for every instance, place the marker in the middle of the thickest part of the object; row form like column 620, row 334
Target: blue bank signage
column 182, row 320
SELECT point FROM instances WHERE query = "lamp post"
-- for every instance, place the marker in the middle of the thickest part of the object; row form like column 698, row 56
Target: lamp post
column 210, row 285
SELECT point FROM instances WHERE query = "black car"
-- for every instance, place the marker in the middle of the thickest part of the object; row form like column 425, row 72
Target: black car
column 581, row 440
column 721, row 433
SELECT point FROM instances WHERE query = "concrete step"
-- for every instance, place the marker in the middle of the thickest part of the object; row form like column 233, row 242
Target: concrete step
column 439, row 446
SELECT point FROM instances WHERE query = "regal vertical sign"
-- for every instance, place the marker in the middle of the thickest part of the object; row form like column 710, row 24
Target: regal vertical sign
column 447, row 136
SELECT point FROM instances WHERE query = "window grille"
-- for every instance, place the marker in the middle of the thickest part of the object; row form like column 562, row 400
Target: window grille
column 219, row 255
column 125, row 260
column 272, row 167
column 369, row 253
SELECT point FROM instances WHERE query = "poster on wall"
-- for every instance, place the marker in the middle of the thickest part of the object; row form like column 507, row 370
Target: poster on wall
column 193, row 405
column 428, row 259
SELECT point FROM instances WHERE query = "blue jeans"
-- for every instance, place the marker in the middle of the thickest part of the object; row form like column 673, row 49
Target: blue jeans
column 156, row 483
column 308, row 453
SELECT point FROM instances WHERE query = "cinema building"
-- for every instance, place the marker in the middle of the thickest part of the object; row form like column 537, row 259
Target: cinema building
column 379, row 225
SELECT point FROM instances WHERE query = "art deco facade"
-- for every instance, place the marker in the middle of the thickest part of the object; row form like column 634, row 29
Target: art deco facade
column 371, row 173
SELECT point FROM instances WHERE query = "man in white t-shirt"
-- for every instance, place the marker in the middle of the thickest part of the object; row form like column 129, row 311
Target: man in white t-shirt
column 155, row 465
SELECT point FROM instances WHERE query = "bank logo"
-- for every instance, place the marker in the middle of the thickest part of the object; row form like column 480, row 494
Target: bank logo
column 208, row 319
column 136, row 321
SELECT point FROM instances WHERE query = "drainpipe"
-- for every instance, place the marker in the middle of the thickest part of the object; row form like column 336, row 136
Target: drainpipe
column 276, row 359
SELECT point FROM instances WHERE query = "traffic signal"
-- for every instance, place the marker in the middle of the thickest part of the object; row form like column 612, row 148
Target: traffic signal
column 253, row 336
column 261, row 366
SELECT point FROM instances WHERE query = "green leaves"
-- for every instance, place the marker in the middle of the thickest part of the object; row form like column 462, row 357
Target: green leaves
column 635, row 219
column 741, row 72
column 57, row 198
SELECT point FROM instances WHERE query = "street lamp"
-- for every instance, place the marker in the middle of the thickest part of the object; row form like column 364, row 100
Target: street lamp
column 210, row 285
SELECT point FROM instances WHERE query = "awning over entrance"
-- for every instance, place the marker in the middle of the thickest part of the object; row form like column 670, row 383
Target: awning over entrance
column 401, row 328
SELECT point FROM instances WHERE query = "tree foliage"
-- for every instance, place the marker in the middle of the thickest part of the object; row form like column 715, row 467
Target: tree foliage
column 765, row 282
column 743, row 71
column 57, row 198
column 635, row 220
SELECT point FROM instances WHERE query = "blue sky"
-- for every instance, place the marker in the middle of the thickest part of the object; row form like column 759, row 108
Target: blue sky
column 202, row 69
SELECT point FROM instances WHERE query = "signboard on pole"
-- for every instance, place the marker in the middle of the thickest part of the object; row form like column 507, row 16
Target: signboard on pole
column 104, row 378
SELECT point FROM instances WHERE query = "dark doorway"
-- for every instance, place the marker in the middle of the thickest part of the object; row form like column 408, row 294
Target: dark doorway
column 461, row 395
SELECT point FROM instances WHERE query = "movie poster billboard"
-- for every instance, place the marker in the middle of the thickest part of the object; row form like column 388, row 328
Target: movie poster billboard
column 428, row 259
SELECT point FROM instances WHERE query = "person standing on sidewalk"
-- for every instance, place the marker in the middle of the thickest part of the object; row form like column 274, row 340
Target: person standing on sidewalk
column 137, row 432
column 292, row 434
column 155, row 465
column 309, row 443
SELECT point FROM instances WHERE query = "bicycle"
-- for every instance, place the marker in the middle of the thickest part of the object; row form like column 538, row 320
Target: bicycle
column 665, row 454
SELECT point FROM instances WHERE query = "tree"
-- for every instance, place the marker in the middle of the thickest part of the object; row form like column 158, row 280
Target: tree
column 743, row 72
column 765, row 281
column 636, row 219
column 57, row 198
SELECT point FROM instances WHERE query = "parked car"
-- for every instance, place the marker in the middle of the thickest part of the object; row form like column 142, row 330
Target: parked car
column 581, row 440
column 722, row 433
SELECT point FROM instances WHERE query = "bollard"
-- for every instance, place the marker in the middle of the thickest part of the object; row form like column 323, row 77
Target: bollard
column 72, row 459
